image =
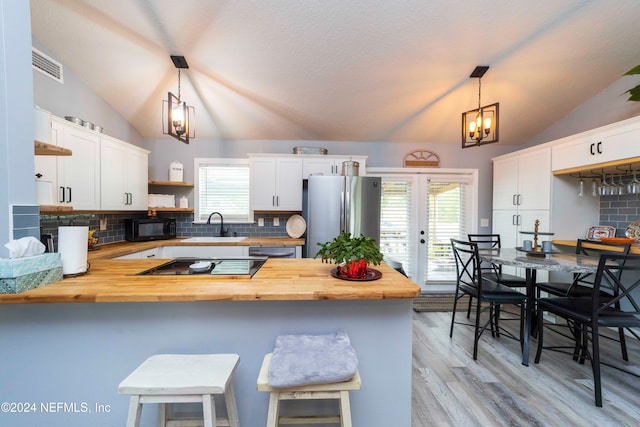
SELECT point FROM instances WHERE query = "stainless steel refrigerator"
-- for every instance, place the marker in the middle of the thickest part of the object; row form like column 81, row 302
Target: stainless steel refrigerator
column 337, row 204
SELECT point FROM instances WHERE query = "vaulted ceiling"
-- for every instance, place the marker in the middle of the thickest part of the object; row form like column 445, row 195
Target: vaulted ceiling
column 352, row 70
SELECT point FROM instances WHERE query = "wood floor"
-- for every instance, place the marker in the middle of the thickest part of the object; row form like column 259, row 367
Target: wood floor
column 451, row 389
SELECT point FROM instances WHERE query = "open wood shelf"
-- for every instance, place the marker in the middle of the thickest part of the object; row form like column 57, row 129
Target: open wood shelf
column 55, row 209
column 44, row 149
column 616, row 167
column 171, row 183
column 154, row 211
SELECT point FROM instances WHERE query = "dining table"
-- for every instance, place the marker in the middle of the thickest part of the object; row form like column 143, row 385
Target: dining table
column 532, row 262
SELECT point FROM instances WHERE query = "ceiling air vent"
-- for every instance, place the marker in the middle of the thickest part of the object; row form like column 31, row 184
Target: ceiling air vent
column 46, row 65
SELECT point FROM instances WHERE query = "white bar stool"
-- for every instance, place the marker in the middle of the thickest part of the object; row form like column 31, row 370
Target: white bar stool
column 316, row 391
column 183, row 378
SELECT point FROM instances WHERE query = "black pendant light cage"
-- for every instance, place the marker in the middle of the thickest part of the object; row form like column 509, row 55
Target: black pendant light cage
column 480, row 126
column 180, row 117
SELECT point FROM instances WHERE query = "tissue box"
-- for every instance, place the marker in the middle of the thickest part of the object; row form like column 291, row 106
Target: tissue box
column 21, row 274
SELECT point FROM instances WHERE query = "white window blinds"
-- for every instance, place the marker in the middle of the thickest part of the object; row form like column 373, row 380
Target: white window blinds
column 446, row 219
column 222, row 187
column 395, row 220
column 411, row 205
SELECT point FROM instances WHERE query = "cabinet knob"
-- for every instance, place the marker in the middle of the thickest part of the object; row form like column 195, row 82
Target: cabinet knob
column 422, row 241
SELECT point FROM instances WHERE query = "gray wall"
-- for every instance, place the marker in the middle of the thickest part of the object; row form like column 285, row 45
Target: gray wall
column 609, row 106
column 74, row 98
column 16, row 114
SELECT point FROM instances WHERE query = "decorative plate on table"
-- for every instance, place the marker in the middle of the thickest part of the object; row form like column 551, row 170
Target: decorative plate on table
column 296, row 226
column 633, row 230
column 372, row 274
column 597, row 232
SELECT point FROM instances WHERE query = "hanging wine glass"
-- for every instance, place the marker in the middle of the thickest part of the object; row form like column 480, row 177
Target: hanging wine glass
column 594, row 188
column 613, row 187
column 604, row 187
column 634, row 186
column 581, row 188
column 621, row 187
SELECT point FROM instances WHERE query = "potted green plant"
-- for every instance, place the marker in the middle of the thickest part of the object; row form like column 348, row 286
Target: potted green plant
column 634, row 93
column 351, row 254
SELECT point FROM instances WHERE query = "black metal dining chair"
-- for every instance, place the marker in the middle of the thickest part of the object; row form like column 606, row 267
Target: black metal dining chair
column 611, row 305
column 490, row 295
column 493, row 272
column 582, row 284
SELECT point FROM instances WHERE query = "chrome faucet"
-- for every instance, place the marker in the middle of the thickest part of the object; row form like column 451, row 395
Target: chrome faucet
column 221, row 222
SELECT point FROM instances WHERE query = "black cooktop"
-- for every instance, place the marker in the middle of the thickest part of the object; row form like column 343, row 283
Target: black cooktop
column 207, row 266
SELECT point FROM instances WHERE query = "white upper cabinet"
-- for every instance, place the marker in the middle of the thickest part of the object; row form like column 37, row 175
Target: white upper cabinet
column 124, row 175
column 276, row 183
column 523, row 181
column 329, row 165
column 75, row 178
column 615, row 142
column 103, row 173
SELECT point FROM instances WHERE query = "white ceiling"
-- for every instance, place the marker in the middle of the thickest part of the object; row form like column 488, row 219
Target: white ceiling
column 345, row 70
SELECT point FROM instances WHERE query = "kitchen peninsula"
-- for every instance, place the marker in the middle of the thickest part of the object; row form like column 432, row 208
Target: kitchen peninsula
column 73, row 341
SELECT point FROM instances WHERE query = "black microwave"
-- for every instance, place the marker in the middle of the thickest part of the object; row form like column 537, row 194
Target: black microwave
column 140, row 230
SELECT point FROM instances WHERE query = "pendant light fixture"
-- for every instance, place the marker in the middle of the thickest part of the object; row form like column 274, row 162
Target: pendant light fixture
column 480, row 126
column 180, row 117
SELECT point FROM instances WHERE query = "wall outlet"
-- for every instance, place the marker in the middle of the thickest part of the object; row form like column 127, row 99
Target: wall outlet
column 484, row 222
column 260, row 222
column 276, row 222
column 103, row 224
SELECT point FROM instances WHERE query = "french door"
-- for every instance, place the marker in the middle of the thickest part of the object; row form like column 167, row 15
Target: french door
column 420, row 214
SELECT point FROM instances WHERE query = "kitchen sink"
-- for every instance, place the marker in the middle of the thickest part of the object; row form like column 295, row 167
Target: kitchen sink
column 213, row 239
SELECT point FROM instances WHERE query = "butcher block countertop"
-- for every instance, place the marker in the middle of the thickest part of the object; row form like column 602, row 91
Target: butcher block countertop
column 279, row 279
column 635, row 249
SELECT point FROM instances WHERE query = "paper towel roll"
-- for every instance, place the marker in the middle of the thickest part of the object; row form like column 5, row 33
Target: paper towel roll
column 72, row 245
column 44, row 192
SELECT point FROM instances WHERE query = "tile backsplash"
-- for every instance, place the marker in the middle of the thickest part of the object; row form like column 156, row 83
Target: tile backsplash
column 619, row 211
column 24, row 221
column 184, row 221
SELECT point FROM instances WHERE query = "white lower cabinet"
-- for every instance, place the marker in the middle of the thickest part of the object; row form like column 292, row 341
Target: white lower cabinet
column 509, row 224
column 189, row 251
column 204, row 251
column 147, row 254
